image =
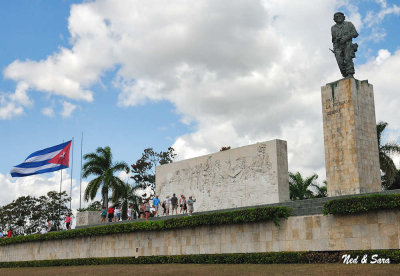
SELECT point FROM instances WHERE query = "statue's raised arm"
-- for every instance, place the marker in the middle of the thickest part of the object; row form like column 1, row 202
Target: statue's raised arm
column 343, row 47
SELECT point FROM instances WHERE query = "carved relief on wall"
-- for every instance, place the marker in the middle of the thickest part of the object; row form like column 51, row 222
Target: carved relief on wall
column 242, row 177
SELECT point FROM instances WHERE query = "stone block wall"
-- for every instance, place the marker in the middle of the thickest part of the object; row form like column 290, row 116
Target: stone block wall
column 246, row 176
column 88, row 218
column 374, row 230
column 351, row 147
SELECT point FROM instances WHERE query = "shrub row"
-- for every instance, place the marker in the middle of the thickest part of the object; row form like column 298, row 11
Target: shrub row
column 237, row 258
column 230, row 217
column 362, row 204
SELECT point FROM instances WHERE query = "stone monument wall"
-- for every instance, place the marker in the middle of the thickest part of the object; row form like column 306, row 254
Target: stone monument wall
column 246, row 176
column 351, row 147
column 373, row 230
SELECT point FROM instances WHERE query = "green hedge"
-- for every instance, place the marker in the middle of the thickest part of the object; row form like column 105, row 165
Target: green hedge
column 302, row 257
column 362, row 204
column 231, row 217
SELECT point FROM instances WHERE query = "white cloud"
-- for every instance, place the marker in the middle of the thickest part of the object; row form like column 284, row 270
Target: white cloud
column 9, row 109
column 383, row 54
column 54, row 75
column 38, row 185
column 68, row 108
column 375, row 18
column 382, row 73
column 48, row 111
column 373, row 21
column 382, row 3
column 241, row 71
column 13, row 104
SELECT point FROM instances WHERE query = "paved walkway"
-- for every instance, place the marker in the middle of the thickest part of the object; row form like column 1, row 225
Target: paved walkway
column 300, row 208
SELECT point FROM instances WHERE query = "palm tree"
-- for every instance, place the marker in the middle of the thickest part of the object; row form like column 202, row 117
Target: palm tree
column 386, row 163
column 129, row 197
column 299, row 188
column 100, row 165
column 396, row 183
column 321, row 191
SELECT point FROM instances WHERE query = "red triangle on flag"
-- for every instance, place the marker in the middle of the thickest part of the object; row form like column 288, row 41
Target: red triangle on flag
column 62, row 157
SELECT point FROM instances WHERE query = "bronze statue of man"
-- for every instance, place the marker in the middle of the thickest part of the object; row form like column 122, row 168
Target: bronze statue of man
column 342, row 34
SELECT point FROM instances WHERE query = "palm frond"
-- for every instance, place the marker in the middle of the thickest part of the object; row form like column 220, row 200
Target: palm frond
column 92, row 188
column 380, row 127
column 391, row 148
column 389, row 169
column 119, row 166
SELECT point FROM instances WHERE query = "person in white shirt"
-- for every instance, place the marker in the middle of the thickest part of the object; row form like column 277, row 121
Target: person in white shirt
column 190, row 203
column 167, row 205
column 130, row 212
column 117, row 213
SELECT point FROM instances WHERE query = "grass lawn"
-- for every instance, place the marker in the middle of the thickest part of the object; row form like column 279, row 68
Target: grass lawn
column 211, row 269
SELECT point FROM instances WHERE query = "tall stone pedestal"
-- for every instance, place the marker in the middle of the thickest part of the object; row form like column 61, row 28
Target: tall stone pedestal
column 351, row 147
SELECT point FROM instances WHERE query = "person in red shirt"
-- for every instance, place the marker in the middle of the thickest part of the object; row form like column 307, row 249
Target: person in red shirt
column 9, row 234
column 110, row 213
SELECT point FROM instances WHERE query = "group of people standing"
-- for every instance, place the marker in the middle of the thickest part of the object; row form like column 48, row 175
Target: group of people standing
column 9, row 233
column 113, row 213
column 150, row 208
column 185, row 205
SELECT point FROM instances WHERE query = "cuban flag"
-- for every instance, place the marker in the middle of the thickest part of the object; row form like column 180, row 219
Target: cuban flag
column 44, row 161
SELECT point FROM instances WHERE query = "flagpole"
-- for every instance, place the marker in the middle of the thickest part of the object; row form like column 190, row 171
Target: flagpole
column 72, row 169
column 60, row 181
column 80, row 180
column 59, row 202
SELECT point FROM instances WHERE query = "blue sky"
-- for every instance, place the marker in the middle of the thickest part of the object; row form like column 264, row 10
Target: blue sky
column 35, row 29
column 195, row 75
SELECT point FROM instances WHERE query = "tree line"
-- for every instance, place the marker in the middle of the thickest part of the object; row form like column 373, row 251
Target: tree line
column 29, row 214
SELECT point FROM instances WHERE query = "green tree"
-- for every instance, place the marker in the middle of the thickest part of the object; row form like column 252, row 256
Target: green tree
column 18, row 215
column 28, row 215
column 300, row 188
column 55, row 208
column 94, row 206
column 396, row 183
column 387, row 165
column 100, row 165
column 144, row 170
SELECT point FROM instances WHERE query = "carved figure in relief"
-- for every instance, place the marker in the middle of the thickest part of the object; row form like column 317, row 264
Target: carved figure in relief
column 343, row 47
column 236, row 168
column 260, row 163
column 219, row 173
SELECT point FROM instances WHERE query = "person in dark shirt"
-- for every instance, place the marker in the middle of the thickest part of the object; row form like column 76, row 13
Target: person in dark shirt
column 174, row 203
